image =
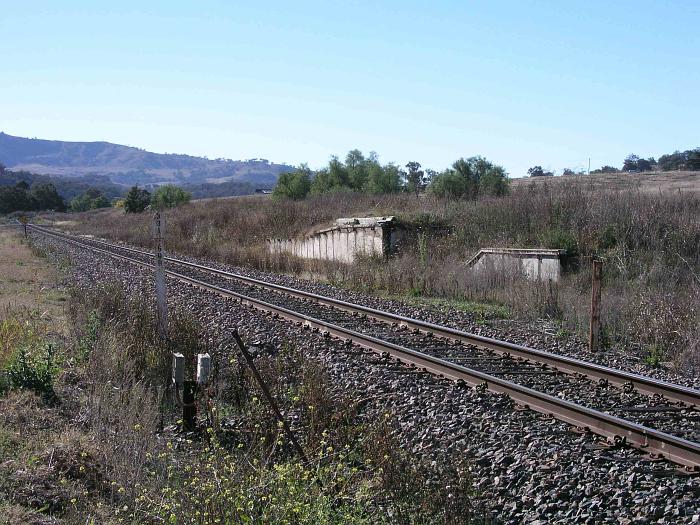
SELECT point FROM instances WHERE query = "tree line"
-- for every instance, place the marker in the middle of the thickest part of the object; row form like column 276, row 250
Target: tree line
column 21, row 191
column 166, row 196
column 22, row 197
column 359, row 173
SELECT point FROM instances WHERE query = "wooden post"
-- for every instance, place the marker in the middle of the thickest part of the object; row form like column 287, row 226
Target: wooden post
column 161, row 298
column 268, row 396
column 189, row 407
column 594, row 335
column 23, row 219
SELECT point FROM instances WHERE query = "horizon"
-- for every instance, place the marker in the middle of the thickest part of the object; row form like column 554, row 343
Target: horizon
column 274, row 161
column 539, row 85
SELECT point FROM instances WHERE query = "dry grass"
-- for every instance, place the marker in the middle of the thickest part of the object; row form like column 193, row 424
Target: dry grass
column 650, row 241
column 652, row 182
column 28, row 282
column 105, row 448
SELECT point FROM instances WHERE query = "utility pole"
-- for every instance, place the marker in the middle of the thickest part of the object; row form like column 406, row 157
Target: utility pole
column 594, row 334
column 161, row 298
column 589, row 165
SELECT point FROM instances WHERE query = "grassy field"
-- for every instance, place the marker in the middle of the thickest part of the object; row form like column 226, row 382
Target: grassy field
column 28, row 283
column 649, row 240
column 32, row 315
column 652, row 182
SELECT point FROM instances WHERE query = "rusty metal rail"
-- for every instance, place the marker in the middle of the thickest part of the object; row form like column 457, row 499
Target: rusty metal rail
column 654, row 442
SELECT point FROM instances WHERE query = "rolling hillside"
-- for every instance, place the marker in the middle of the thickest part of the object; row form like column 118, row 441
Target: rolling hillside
column 649, row 182
column 129, row 165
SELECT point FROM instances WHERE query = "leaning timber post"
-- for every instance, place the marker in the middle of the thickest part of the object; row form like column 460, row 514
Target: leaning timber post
column 268, row 396
column 596, row 275
column 161, row 299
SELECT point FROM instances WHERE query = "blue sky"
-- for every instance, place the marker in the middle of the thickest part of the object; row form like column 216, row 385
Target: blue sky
column 520, row 82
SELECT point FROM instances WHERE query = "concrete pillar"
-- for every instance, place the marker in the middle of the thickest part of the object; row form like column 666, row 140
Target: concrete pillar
column 354, row 244
column 348, row 245
column 362, row 241
column 368, row 234
column 377, row 241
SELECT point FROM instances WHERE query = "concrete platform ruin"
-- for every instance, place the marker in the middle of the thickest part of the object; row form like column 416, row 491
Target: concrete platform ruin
column 345, row 240
column 537, row 264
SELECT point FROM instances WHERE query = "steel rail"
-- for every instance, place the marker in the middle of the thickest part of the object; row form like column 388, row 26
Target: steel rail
column 569, row 365
column 654, row 442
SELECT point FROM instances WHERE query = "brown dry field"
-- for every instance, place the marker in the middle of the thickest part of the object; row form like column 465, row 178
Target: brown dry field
column 664, row 181
column 28, row 283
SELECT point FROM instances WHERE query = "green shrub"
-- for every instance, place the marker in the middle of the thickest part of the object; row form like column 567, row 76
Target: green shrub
column 654, row 357
column 607, row 237
column 33, row 370
column 560, row 239
column 295, row 185
column 169, row 196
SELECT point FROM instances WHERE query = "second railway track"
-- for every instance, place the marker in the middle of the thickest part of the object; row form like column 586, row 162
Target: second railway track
column 658, row 417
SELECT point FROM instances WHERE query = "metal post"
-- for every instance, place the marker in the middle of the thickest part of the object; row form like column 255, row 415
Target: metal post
column 594, row 335
column 161, row 298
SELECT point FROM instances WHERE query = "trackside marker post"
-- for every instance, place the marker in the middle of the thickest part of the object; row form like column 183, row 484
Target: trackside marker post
column 596, row 275
column 23, row 219
column 161, row 300
column 190, row 389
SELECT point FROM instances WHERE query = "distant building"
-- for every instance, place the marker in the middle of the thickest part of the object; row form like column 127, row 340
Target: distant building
column 263, row 191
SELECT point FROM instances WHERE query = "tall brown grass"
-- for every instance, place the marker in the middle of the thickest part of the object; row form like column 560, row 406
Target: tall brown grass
column 650, row 243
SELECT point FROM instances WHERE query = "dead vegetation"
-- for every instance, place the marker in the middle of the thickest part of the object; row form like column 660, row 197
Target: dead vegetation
column 649, row 240
column 106, row 446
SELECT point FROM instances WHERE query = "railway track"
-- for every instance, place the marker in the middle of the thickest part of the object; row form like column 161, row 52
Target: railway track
column 657, row 417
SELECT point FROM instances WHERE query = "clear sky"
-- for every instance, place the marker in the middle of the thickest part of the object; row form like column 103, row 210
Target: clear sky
column 520, row 82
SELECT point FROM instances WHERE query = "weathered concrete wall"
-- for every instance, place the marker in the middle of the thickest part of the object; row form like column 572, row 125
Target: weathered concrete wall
column 345, row 240
column 535, row 264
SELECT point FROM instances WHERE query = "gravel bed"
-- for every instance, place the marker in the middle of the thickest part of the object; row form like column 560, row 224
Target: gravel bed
column 629, row 405
column 581, row 390
column 525, row 468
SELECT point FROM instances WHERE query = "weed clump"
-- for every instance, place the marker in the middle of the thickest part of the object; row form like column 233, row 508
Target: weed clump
column 33, row 369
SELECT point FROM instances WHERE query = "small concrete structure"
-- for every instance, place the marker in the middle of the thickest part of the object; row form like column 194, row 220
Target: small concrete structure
column 537, row 264
column 343, row 241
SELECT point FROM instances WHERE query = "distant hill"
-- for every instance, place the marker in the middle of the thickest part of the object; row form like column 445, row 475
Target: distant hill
column 128, row 165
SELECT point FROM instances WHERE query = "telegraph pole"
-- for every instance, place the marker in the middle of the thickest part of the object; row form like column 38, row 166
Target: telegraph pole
column 161, row 299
